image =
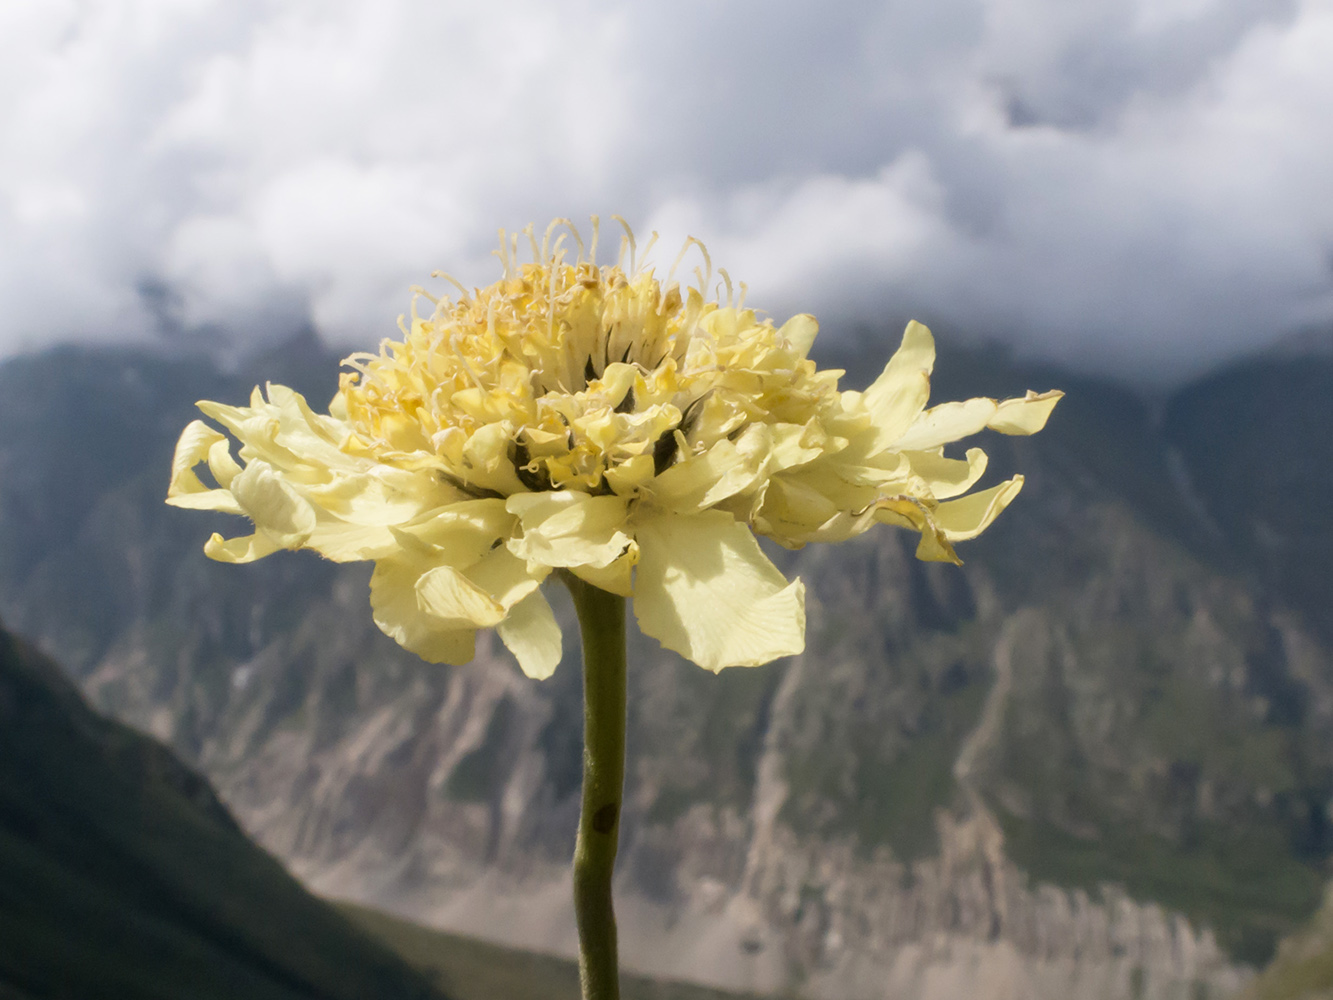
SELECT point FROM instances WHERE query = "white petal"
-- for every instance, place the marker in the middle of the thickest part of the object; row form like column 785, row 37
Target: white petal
column 705, row 589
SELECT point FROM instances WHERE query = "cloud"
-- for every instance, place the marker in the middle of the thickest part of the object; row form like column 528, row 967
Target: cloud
column 1132, row 186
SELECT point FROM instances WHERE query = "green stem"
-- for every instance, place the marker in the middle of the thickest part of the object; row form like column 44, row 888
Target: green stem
column 602, row 624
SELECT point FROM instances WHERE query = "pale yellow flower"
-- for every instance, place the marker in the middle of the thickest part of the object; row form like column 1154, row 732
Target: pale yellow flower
column 595, row 420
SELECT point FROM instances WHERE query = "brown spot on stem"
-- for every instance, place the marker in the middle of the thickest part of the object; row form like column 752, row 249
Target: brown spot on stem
column 604, row 819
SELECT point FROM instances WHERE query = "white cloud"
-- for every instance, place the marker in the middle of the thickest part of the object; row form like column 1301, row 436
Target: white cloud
column 1117, row 184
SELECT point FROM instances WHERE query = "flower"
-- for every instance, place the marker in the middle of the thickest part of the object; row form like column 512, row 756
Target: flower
column 596, row 421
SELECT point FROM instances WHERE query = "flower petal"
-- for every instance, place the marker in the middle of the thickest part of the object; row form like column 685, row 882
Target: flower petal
column 196, row 445
column 947, row 422
column 1027, row 415
column 629, row 475
column 951, row 421
column 447, row 595
column 466, row 531
column 507, row 578
column 914, row 514
column 971, row 515
column 275, row 506
column 703, row 480
column 398, row 613
column 220, row 463
column 706, row 590
column 487, row 455
column 616, row 578
column 568, row 528
column 901, row 391
column 532, row 635
column 245, row 549
column 800, row 332
column 948, row 477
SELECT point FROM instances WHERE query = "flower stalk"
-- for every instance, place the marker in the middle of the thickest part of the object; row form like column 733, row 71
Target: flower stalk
column 602, row 626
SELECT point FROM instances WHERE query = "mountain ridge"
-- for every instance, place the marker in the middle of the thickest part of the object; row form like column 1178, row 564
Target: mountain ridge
column 1159, row 734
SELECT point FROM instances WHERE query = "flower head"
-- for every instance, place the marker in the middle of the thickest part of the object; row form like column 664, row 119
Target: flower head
column 598, row 421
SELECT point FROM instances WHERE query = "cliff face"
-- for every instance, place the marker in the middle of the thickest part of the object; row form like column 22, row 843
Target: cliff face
column 1094, row 761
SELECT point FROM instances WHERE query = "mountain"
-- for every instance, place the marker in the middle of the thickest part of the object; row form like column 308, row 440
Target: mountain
column 123, row 875
column 477, row 970
column 1095, row 760
column 1256, row 437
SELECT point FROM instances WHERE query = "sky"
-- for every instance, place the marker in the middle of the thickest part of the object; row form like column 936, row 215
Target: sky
column 1138, row 187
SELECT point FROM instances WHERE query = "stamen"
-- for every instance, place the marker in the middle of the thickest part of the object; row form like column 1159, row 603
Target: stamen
column 648, row 248
column 546, row 240
column 453, row 281
column 676, row 263
column 726, row 278
column 708, row 262
column 461, row 357
column 573, row 230
column 518, row 350
column 550, row 294
column 627, row 238
column 359, row 360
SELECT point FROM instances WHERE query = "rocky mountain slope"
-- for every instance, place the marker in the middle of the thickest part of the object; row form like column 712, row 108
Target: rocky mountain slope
column 1095, row 761
column 123, row 876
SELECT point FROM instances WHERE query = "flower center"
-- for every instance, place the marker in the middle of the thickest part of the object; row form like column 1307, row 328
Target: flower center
column 573, row 376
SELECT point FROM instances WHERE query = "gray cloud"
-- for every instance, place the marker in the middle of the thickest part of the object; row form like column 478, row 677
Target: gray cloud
column 1133, row 186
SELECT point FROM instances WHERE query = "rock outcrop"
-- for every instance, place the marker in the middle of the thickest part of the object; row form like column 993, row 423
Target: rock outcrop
column 1095, row 761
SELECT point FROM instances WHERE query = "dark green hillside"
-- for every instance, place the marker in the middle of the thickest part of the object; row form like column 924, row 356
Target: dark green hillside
column 122, row 875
